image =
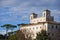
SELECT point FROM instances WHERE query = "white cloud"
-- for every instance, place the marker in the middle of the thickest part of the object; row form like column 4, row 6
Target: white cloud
column 2, row 32
column 7, row 3
column 24, row 3
column 25, row 8
column 56, row 14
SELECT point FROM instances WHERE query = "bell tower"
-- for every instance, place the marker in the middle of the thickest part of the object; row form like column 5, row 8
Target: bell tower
column 32, row 16
column 46, row 14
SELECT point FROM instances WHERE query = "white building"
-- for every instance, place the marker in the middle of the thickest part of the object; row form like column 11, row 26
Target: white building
column 46, row 22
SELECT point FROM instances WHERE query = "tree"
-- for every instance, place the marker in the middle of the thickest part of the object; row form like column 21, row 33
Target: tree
column 13, row 37
column 7, row 27
column 1, row 37
column 43, row 35
column 12, row 27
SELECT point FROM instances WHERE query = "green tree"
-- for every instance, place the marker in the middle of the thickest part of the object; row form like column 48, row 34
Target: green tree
column 13, row 37
column 43, row 35
column 12, row 27
column 7, row 27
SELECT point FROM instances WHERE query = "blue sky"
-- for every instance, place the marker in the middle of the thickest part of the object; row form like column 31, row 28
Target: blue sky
column 18, row 11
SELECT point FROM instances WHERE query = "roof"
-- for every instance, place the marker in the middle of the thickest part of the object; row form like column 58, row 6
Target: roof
column 51, row 22
column 47, row 10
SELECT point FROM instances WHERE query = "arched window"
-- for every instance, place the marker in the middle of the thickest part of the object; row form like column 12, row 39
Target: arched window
column 44, row 14
column 56, row 27
column 40, row 27
column 36, row 27
column 52, row 26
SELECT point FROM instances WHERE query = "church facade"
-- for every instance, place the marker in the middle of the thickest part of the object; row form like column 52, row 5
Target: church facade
column 45, row 22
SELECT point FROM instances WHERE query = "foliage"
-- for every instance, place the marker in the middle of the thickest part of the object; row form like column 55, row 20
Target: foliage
column 7, row 27
column 1, row 36
column 13, row 37
column 43, row 35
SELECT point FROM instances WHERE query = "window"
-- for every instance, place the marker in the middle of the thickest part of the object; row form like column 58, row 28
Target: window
column 40, row 19
column 45, row 25
column 48, row 33
column 33, row 27
column 56, row 27
column 31, row 17
column 36, row 27
column 43, row 19
column 33, row 35
column 34, row 20
column 52, row 34
column 48, row 27
column 37, row 20
column 44, row 14
column 52, row 26
column 40, row 27
column 30, row 28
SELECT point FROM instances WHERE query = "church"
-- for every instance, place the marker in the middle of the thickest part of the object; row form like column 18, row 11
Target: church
column 45, row 22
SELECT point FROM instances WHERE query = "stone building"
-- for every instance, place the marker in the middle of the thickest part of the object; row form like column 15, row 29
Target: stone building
column 45, row 22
